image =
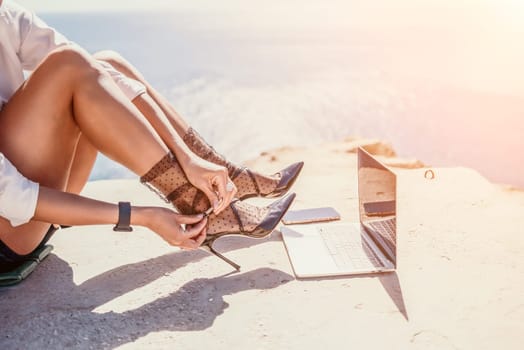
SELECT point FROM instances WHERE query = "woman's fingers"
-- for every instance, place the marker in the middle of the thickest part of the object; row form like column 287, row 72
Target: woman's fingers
column 185, row 231
column 200, row 238
column 196, row 241
column 194, row 229
column 189, row 219
column 196, row 235
column 226, row 189
column 214, row 197
column 213, row 180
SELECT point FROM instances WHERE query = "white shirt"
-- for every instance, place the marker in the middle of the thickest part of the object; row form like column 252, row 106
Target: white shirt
column 25, row 40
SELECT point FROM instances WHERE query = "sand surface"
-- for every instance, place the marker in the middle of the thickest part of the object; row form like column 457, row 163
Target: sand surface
column 459, row 282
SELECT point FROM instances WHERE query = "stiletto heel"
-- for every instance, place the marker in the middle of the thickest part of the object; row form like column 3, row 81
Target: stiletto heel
column 168, row 180
column 273, row 214
column 208, row 246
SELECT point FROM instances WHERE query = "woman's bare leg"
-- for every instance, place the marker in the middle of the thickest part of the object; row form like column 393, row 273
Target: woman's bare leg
column 126, row 68
column 161, row 114
column 83, row 162
column 40, row 127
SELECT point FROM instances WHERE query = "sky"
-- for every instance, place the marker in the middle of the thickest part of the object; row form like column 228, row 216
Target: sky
column 473, row 48
column 138, row 5
column 391, row 9
column 481, row 38
column 93, row 5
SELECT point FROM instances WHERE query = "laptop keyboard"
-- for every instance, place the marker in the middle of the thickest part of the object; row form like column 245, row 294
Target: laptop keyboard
column 347, row 248
column 385, row 228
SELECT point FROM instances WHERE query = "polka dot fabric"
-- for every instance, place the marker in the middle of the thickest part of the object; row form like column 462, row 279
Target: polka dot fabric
column 169, row 180
column 251, row 183
column 250, row 217
column 248, row 183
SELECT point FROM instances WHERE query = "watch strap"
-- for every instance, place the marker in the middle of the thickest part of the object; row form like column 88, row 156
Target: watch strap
column 124, row 218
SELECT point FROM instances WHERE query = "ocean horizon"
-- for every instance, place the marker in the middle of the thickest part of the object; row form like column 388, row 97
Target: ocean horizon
column 252, row 83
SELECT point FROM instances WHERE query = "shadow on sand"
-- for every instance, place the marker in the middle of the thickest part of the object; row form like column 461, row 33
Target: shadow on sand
column 389, row 281
column 57, row 313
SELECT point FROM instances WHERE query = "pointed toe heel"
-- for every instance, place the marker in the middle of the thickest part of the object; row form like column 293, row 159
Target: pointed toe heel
column 274, row 213
column 288, row 176
column 277, row 210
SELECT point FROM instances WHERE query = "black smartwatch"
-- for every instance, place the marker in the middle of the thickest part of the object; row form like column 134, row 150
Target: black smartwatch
column 124, row 218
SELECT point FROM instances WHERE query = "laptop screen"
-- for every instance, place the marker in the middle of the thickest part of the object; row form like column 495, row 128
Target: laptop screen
column 377, row 193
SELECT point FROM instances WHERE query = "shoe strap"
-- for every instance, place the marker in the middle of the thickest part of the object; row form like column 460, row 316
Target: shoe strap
column 199, row 198
column 237, row 215
column 236, row 172
column 255, row 183
column 178, row 192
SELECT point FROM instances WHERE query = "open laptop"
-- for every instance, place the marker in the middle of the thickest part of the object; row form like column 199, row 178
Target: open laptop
column 370, row 246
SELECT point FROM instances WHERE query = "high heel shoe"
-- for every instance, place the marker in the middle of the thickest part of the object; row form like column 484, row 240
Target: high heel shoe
column 168, row 180
column 267, row 217
column 249, row 183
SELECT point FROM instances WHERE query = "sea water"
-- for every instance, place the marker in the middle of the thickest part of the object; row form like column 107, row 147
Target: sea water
column 254, row 79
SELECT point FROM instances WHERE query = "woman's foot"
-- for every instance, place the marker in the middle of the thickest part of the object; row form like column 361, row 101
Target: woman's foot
column 247, row 220
column 249, row 183
column 253, row 184
column 167, row 179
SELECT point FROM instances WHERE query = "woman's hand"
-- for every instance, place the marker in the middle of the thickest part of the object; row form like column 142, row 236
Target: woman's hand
column 211, row 179
column 168, row 225
column 71, row 209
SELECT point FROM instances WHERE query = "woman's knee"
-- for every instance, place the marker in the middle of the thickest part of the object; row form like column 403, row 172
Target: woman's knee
column 72, row 60
column 119, row 63
column 111, row 57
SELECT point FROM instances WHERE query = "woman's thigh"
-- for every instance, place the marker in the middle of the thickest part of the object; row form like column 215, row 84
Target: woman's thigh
column 39, row 136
